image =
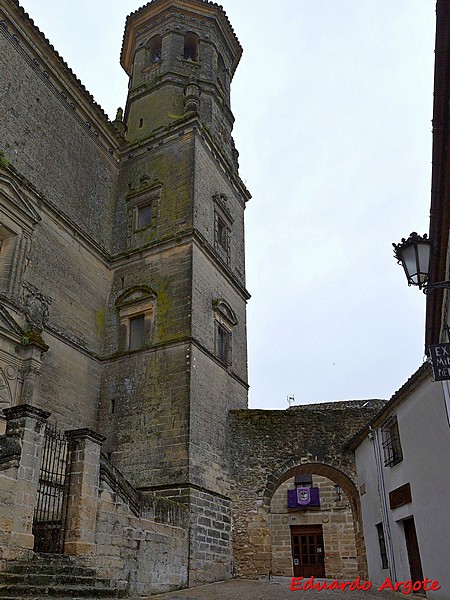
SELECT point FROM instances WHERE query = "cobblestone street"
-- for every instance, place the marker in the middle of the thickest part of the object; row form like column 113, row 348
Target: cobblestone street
column 277, row 589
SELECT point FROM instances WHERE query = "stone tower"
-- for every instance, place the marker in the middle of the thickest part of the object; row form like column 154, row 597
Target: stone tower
column 175, row 327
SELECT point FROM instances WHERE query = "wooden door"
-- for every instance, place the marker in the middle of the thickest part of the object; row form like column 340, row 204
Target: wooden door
column 412, row 547
column 308, row 554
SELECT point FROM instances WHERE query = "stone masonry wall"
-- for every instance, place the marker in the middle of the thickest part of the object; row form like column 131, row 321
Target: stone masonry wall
column 209, row 410
column 147, row 426
column 60, row 150
column 211, row 552
column 337, row 523
column 52, row 132
column 136, row 543
column 211, row 180
column 210, row 557
column 137, row 553
column 167, row 162
column 144, row 401
column 75, row 280
column 67, row 278
column 210, row 285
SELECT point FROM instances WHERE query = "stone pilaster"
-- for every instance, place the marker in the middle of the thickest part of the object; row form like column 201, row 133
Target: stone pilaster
column 31, row 368
column 85, row 446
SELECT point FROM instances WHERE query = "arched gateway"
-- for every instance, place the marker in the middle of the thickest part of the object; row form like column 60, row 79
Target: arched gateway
column 275, row 455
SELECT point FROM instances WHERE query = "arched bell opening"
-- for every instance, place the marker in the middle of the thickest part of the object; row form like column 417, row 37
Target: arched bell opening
column 191, row 49
column 154, row 48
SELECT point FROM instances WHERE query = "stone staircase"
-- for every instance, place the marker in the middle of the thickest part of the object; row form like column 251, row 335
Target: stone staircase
column 55, row 577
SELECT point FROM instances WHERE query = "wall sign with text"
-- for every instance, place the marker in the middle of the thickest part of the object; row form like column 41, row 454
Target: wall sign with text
column 440, row 358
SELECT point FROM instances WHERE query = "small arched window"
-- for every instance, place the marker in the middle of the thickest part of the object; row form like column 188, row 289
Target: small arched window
column 155, row 48
column 191, row 47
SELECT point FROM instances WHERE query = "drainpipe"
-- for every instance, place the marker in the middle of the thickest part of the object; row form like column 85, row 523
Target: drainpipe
column 383, row 504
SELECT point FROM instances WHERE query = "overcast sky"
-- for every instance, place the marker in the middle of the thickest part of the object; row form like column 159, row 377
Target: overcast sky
column 333, row 108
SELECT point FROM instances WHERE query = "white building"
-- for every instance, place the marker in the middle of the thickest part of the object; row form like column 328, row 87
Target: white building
column 402, row 459
column 403, row 454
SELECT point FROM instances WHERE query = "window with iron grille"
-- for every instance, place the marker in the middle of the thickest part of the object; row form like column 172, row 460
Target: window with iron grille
column 382, row 544
column 391, row 442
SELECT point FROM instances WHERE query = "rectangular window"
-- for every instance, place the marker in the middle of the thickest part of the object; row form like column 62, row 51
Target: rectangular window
column 143, row 216
column 223, row 344
column 222, row 234
column 391, row 442
column 222, row 238
column 304, row 480
column 137, row 332
column 382, row 544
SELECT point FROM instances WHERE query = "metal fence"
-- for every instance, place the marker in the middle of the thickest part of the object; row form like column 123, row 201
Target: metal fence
column 49, row 521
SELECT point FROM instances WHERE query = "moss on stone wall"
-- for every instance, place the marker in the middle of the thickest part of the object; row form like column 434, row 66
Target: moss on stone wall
column 3, row 160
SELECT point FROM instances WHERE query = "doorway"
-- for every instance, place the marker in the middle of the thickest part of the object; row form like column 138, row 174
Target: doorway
column 412, row 547
column 308, row 554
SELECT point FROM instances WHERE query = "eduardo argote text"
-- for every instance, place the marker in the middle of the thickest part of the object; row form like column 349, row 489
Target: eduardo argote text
column 405, row 587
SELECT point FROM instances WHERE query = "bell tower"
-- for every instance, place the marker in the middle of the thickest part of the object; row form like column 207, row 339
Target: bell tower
column 176, row 345
column 180, row 57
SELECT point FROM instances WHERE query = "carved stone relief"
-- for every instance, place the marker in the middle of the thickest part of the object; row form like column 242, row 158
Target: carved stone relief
column 36, row 308
column 8, row 385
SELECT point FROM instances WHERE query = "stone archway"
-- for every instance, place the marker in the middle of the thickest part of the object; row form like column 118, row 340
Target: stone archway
column 340, row 520
column 268, row 447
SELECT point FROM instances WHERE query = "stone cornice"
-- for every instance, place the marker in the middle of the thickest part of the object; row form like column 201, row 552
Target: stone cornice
column 190, row 235
column 189, row 123
column 25, row 410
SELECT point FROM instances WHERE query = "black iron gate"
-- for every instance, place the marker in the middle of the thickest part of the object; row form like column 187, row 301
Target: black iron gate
column 49, row 521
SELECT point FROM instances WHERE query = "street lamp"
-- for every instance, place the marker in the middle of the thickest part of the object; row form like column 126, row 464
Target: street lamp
column 338, row 490
column 414, row 255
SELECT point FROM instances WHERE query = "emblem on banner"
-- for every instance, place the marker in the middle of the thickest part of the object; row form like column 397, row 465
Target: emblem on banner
column 303, row 496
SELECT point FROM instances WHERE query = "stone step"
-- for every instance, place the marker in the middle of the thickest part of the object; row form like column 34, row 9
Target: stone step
column 51, row 567
column 49, row 576
column 45, row 597
column 38, row 592
column 34, row 569
column 46, row 579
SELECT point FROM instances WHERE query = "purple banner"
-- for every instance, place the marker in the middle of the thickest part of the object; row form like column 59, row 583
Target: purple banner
column 303, row 497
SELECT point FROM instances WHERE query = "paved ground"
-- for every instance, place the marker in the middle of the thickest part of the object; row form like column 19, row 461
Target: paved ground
column 277, row 589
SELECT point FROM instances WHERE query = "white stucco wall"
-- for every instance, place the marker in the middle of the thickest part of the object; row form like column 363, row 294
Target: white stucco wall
column 425, row 440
